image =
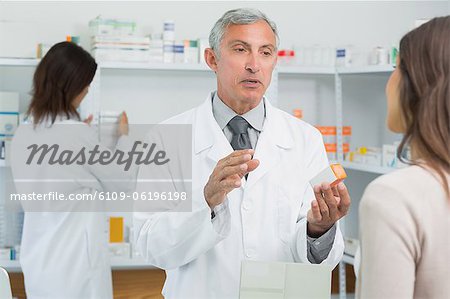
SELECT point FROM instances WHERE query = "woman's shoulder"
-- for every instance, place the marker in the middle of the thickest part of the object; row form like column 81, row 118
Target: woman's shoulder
column 412, row 178
column 405, row 188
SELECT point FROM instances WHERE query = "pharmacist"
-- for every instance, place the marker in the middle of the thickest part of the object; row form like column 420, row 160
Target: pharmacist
column 251, row 169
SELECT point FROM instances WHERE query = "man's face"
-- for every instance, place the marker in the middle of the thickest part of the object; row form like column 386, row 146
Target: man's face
column 244, row 68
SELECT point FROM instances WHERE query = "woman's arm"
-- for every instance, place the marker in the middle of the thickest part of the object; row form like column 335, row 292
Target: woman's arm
column 389, row 244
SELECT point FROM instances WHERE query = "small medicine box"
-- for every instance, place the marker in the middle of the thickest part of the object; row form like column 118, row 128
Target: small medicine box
column 333, row 174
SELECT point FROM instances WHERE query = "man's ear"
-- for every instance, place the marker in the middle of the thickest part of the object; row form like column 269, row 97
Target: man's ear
column 211, row 59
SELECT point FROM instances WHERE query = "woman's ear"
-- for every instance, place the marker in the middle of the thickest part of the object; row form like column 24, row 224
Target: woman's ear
column 211, row 59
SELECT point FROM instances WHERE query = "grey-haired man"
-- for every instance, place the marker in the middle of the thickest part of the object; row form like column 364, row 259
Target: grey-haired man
column 251, row 169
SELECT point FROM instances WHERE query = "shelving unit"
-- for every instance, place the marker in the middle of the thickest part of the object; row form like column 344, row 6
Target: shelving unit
column 336, row 72
column 155, row 66
column 348, row 259
column 282, row 69
column 367, row 168
column 19, row 61
column 116, row 264
column 369, row 69
column 311, row 70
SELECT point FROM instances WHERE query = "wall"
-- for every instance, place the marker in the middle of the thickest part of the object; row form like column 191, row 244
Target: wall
column 366, row 24
column 151, row 96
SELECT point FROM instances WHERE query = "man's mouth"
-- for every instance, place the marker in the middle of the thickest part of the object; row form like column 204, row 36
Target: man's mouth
column 251, row 82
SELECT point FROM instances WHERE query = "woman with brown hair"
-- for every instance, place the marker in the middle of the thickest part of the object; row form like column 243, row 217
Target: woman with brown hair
column 405, row 215
column 64, row 254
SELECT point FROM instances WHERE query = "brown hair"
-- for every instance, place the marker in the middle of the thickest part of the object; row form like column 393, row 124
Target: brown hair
column 59, row 78
column 425, row 95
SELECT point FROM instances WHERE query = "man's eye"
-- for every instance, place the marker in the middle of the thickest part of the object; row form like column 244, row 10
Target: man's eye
column 239, row 49
column 267, row 53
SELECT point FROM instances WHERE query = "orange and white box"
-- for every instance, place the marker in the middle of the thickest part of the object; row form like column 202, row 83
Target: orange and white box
column 333, row 174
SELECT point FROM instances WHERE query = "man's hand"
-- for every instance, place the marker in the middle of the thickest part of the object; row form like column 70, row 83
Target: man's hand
column 227, row 175
column 330, row 205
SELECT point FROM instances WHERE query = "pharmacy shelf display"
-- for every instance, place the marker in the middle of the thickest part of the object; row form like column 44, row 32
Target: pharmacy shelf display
column 116, row 264
column 301, row 70
column 337, row 72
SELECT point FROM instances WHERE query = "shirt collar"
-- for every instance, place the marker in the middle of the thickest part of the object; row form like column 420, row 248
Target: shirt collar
column 223, row 114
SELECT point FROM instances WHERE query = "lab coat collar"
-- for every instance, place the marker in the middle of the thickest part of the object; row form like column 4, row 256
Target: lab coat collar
column 207, row 131
column 275, row 137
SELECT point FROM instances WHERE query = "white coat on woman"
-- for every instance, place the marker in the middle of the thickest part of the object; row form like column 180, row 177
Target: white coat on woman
column 65, row 254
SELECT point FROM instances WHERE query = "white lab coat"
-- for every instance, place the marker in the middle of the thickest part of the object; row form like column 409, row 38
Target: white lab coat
column 64, row 254
column 264, row 219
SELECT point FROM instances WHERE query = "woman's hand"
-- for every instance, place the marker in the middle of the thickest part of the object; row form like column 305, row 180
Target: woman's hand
column 123, row 124
column 89, row 119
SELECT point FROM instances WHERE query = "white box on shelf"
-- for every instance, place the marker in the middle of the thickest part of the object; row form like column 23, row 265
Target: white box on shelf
column 121, row 40
column 7, row 152
column 8, row 124
column 5, row 254
column 9, row 113
column 389, row 155
column 343, row 56
column 351, row 246
column 125, row 55
column 373, row 158
column 9, row 101
column 120, row 250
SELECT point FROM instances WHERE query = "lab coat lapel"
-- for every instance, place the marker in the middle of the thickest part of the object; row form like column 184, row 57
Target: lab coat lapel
column 209, row 135
column 273, row 140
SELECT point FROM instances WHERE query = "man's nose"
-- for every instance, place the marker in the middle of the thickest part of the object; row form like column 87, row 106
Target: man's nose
column 252, row 65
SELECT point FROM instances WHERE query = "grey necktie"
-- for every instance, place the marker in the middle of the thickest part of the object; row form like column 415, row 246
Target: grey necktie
column 240, row 139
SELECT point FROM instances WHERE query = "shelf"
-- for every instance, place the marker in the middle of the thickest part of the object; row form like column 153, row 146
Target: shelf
column 129, row 264
column 11, row 266
column 18, row 61
column 307, row 70
column 331, row 70
column 367, row 69
column 154, row 66
column 367, row 168
column 118, row 65
column 348, row 259
column 116, row 264
column 282, row 69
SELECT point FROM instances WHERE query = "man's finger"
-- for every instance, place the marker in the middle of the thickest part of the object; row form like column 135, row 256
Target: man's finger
column 230, row 183
column 252, row 165
column 316, row 211
column 322, row 205
column 235, row 158
column 335, row 191
column 344, row 204
column 227, row 171
column 242, row 152
column 330, row 200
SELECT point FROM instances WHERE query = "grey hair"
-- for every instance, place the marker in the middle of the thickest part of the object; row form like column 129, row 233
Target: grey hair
column 240, row 16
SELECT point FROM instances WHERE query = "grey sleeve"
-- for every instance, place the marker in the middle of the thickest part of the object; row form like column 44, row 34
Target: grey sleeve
column 319, row 248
